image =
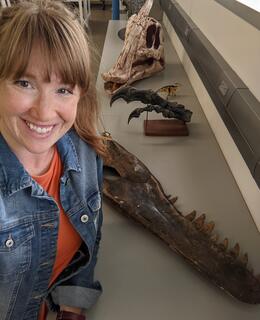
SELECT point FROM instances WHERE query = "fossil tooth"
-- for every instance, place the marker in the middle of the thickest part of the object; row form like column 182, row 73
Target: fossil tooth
column 199, row 222
column 173, row 200
column 208, row 227
column 191, row 216
column 224, row 244
column 244, row 259
column 235, row 251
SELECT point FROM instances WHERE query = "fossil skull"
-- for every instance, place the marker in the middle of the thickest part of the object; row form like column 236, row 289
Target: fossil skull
column 142, row 53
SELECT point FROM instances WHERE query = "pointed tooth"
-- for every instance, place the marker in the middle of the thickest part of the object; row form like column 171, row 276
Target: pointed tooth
column 173, row 199
column 191, row 216
column 214, row 238
column 235, row 251
column 199, row 222
column 244, row 259
column 208, row 227
column 224, row 244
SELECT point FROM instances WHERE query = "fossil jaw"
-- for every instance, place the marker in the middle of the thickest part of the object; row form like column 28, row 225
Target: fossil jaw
column 139, row 195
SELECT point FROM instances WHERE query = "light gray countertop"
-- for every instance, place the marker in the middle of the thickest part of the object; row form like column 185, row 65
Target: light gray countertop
column 141, row 277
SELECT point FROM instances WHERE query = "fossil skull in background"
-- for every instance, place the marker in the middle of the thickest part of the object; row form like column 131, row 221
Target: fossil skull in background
column 142, row 53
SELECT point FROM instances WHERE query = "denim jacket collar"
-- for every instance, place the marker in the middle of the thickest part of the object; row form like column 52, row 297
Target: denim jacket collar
column 13, row 176
column 68, row 154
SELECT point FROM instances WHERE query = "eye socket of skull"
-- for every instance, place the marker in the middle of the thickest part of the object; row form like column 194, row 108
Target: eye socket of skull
column 153, row 36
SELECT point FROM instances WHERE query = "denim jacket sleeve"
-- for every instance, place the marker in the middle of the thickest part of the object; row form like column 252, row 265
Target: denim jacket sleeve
column 81, row 290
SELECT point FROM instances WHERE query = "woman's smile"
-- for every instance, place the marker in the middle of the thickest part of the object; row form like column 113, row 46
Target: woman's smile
column 39, row 129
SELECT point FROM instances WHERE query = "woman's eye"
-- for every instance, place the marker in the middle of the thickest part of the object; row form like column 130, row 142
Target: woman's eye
column 23, row 83
column 65, row 91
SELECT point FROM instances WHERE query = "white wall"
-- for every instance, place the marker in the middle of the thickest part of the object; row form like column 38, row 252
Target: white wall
column 239, row 43
column 235, row 39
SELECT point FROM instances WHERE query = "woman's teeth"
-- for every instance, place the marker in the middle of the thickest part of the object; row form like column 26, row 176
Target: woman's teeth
column 37, row 129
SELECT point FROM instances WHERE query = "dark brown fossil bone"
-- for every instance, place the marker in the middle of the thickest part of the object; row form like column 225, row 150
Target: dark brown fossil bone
column 154, row 103
column 140, row 196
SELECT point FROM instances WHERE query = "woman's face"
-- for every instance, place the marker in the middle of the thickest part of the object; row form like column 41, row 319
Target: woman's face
column 35, row 114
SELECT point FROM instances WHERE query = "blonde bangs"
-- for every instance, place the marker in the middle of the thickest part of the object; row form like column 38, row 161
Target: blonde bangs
column 63, row 50
column 64, row 46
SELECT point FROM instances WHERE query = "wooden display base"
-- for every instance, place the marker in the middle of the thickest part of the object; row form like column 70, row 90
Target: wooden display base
column 165, row 128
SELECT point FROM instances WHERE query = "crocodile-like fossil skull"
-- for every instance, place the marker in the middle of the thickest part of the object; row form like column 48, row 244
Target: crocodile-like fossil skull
column 142, row 53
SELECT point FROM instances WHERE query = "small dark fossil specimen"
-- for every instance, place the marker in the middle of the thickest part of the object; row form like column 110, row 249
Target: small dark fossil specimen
column 140, row 196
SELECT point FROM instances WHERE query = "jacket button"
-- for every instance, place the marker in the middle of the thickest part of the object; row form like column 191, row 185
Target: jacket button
column 84, row 218
column 9, row 243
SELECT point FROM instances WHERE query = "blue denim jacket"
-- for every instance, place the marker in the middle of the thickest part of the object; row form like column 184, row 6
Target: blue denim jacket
column 29, row 220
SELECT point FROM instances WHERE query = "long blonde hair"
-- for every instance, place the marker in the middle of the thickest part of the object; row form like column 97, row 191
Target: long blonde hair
column 65, row 46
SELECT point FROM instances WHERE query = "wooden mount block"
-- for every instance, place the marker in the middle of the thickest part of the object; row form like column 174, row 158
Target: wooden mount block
column 165, row 128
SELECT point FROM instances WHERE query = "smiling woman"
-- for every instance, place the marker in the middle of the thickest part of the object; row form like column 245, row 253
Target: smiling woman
column 51, row 167
column 36, row 112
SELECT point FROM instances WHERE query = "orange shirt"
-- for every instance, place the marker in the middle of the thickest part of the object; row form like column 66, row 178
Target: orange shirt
column 68, row 239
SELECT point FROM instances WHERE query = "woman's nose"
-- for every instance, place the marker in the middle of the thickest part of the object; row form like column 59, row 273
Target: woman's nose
column 43, row 108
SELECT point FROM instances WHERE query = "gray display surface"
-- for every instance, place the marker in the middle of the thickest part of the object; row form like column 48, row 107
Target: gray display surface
column 141, row 277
